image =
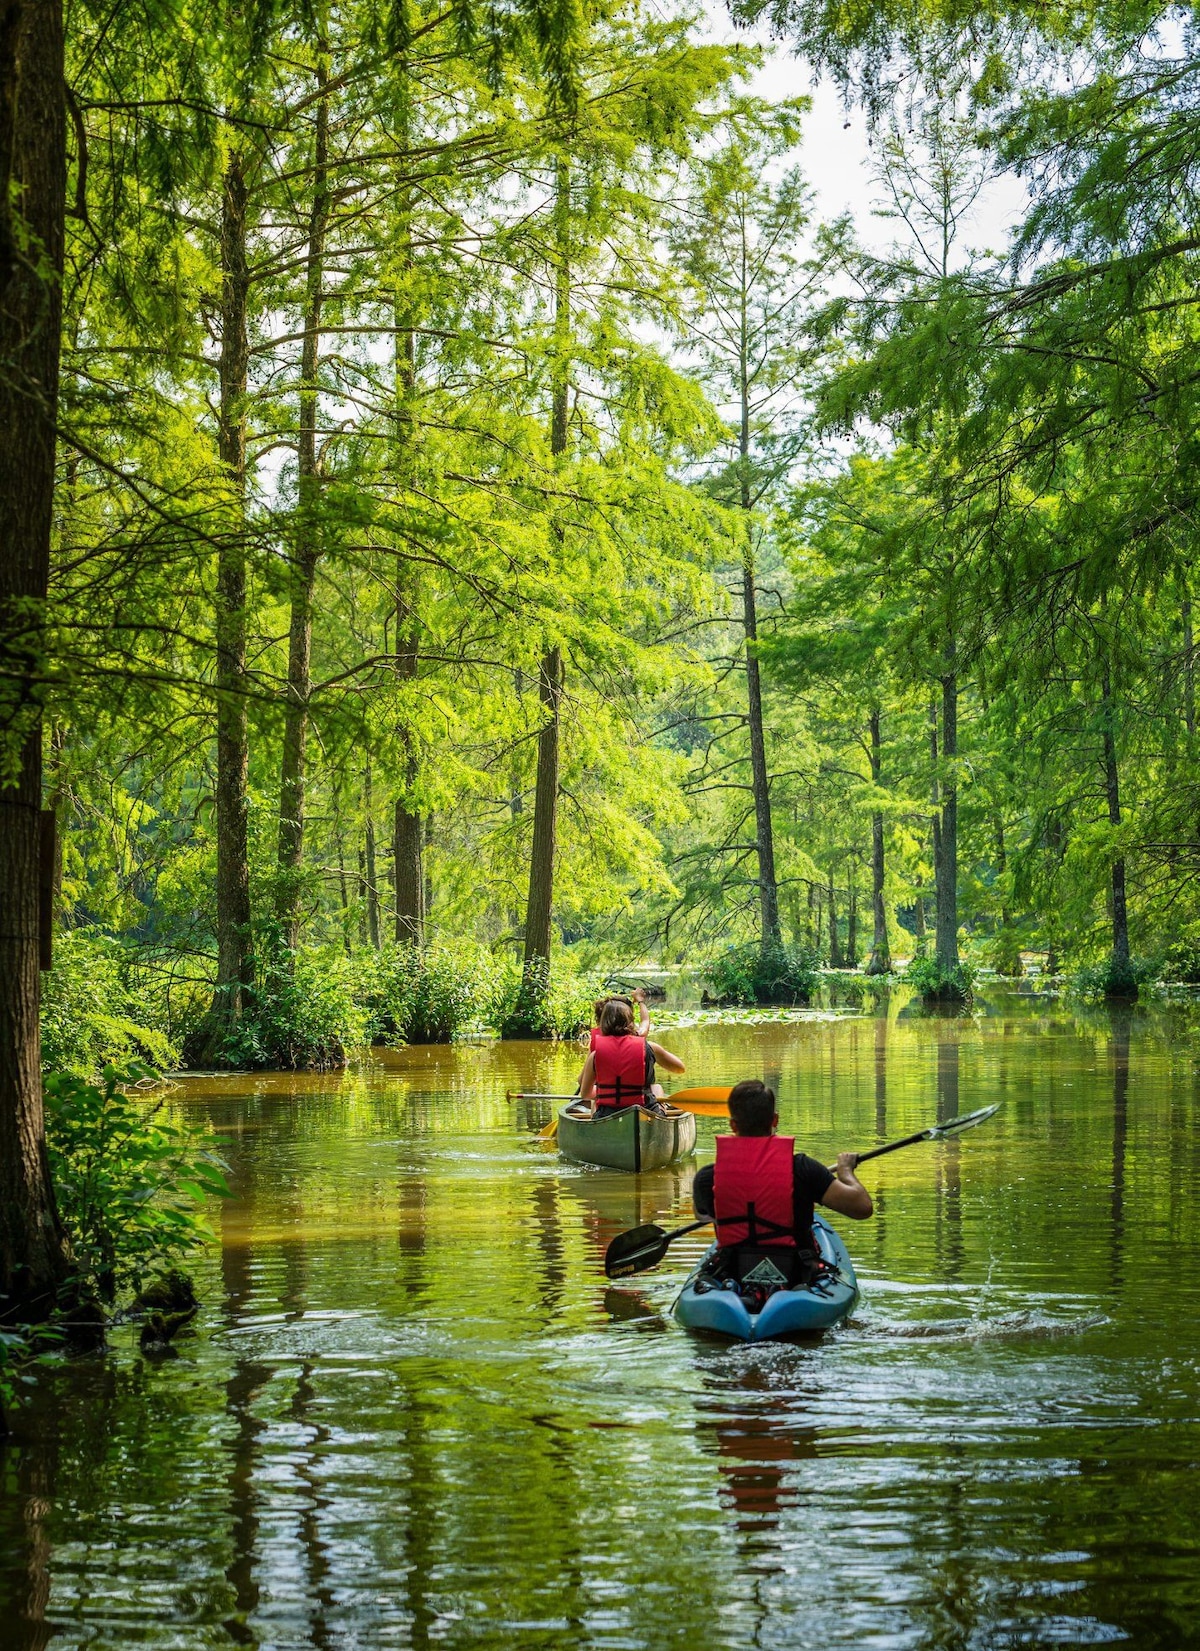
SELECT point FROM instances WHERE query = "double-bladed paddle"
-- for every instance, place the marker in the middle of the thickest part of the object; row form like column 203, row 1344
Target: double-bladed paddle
column 641, row 1248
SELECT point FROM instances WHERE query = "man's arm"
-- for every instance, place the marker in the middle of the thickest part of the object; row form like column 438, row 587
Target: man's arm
column 846, row 1193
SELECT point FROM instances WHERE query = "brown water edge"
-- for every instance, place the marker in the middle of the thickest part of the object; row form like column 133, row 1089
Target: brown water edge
column 416, row 1414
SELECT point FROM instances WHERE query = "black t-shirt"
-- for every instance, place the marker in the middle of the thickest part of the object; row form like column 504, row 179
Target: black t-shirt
column 810, row 1182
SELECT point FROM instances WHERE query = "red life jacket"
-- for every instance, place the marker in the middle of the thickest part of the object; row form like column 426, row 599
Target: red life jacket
column 752, row 1190
column 620, row 1069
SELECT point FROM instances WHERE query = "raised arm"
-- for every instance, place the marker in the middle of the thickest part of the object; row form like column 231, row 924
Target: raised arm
column 643, row 1025
column 846, row 1193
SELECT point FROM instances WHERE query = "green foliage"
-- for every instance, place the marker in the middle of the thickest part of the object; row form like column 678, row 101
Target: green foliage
column 306, row 1013
column 938, row 984
column 130, row 1184
column 1181, row 961
column 91, row 1017
column 419, row 994
column 751, row 973
column 1111, row 978
column 543, row 1002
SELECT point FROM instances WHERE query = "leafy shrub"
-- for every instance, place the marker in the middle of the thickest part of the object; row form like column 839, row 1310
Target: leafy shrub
column 304, row 1015
column 1181, row 961
column 1108, row 979
column 541, row 1002
column 91, row 1017
column 939, row 985
column 14, row 1347
column 1004, row 953
column 426, row 995
column 764, row 974
column 130, row 1186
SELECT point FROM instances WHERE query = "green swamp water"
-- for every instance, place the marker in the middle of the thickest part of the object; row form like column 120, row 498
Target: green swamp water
column 415, row 1415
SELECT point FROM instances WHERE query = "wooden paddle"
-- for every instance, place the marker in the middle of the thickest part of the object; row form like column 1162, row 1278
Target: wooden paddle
column 709, row 1102
column 641, row 1248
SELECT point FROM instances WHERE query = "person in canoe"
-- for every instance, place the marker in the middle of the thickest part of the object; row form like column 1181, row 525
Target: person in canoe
column 761, row 1194
column 619, row 1070
column 636, row 999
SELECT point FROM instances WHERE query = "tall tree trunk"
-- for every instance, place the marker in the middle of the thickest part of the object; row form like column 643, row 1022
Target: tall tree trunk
column 292, row 774
column 539, row 905
column 1008, row 956
column 946, row 839
column 1121, row 983
column 880, row 962
column 850, row 960
column 343, row 895
column 764, row 837
column 33, row 1254
column 835, row 951
column 407, row 832
column 371, row 892
column 408, row 829
column 362, row 897
column 235, row 959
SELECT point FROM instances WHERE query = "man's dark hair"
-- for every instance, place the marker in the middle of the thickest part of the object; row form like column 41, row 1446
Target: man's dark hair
column 752, row 1107
column 616, row 1018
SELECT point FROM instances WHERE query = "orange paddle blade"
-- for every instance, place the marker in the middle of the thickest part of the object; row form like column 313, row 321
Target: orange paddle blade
column 709, row 1103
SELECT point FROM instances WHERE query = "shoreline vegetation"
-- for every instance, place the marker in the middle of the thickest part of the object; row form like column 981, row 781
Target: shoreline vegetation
column 102, row 1006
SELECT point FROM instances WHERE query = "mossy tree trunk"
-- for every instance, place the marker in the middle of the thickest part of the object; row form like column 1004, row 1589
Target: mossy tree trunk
column 235, row 959
column 33, row 1255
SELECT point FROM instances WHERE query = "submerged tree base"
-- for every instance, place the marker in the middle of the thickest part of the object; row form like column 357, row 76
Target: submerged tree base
column 769, row 976
column 939, row 983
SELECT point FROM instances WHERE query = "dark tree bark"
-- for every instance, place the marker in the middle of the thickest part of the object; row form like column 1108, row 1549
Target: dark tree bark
column 408, row 828
column 946, row 836
column 851, row 958
column 293, row 766
column 540, row 905
column 880, row 962
column 1121, row 982
column 33, row 1256
column 835, row 950
column 235, row 961
column 371, row 888
column 1008, row 956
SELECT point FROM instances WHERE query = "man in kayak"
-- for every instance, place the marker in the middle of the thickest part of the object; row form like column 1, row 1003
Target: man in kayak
column 619, row 1071
column 761, row 1194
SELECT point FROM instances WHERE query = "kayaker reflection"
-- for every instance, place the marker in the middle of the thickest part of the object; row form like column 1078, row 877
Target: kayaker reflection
column 619, row 1071
column 761, row 1194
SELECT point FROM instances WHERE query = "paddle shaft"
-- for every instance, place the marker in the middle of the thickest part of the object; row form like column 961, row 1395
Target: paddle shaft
column 657, row 1249
column 892, row 1146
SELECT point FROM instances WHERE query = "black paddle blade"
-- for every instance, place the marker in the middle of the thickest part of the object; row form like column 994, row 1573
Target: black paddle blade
column 635, row 1251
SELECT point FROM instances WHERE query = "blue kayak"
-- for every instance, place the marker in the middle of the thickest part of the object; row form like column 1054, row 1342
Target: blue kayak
column 787, row 1312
